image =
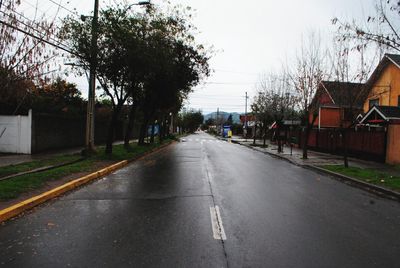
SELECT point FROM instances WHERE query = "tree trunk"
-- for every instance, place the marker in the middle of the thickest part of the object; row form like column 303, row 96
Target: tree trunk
column 264, row 131
column 278, row 130
column 305, row 142
column 307, row 133
column 111, row 129
column 254, row 134
column 152, row 133
column 162, row 129
column 129, row 129
column 143, row 129
column 344, row 140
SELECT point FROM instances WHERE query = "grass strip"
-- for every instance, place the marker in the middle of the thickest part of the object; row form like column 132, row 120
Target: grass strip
column 24, row 167
column 12, row 188
column 369, row 175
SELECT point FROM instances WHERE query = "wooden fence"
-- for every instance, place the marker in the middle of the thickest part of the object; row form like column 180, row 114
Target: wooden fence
column 363, row 143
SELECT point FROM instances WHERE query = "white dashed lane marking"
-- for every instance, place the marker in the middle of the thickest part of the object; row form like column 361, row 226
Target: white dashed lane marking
column 216, row 223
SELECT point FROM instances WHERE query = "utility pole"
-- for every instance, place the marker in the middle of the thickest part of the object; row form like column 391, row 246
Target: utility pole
column 217, row 121
column 89, row 142
column 245, row 117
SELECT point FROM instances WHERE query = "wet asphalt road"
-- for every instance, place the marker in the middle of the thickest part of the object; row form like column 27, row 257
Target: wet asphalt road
column 156, row 213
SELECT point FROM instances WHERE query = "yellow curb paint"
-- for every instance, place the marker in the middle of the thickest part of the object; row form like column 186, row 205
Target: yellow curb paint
column 16, row 209
column 20, row 207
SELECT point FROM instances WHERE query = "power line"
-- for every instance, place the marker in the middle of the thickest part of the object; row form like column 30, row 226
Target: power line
column 40, row 39
column 35, row 7
column 196, row 95
column 217, row 97
column 228, row 83
column 63, row 7
column 28, row 19
column 235, row 72
column 31, row 27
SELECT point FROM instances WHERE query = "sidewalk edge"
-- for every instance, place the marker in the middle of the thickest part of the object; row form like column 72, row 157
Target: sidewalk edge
column 361, row 184
column 16, row 209
column 381, row 191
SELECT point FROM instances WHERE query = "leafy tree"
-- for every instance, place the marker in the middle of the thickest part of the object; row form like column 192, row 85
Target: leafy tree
column 118, row 42
column 149, row 59
column 58, row 97
column 229, row 121
column 190, row 120
column 15, row 92
column 210, row 122
column 178, row 64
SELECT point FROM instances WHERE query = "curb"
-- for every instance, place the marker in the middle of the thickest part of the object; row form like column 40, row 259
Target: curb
column 27, row 204
column 381, row 191
column 378, row 190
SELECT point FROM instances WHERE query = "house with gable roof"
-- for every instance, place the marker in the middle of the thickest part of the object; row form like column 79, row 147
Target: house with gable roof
column 382, row 104
column 336, row 104
column 384, row 84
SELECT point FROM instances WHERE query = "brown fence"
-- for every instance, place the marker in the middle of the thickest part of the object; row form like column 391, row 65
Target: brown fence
column 364, row 144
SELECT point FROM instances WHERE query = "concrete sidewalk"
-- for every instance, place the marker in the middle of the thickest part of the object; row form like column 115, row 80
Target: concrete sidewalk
column 14, row 159
column 295, row 155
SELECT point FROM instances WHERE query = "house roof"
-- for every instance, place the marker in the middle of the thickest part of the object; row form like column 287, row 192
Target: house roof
column 390, row 111
column 385, row 61
column 345, row 93
column 385, row 112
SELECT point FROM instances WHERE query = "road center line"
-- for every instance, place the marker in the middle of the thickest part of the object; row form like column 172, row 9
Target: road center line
column 216, row 223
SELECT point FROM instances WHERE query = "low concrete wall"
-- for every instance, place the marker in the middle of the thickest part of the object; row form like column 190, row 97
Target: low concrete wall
column 15, row 133
column 43, row 132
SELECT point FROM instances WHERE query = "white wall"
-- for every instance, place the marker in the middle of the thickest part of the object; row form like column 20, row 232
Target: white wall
column 15, row 133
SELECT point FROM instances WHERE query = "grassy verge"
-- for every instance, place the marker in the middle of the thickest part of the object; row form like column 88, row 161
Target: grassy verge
column 12, row 188
column 14, row 169
column 368, row 175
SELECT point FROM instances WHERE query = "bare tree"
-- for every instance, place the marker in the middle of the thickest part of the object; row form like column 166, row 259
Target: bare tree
column 25, row 55
column 24, row 42
column 381, row 28
column 274, row 101
column 306, row 74
column 348, row 85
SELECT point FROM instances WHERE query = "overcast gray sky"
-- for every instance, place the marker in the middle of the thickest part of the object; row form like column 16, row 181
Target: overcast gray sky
column 250, row 37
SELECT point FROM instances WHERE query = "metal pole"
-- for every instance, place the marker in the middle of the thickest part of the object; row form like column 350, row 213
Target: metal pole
column 217, row 121
column 92, row 82
column 245, row 117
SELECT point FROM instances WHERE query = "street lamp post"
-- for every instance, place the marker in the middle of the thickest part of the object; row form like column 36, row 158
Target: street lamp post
column 89, row 141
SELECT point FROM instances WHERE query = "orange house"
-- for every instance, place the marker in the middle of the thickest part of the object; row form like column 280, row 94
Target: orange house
column 382, row 105
column 384, row 83
column 336, row 104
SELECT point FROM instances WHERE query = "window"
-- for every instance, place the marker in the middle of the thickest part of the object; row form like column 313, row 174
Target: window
column 373, row 102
